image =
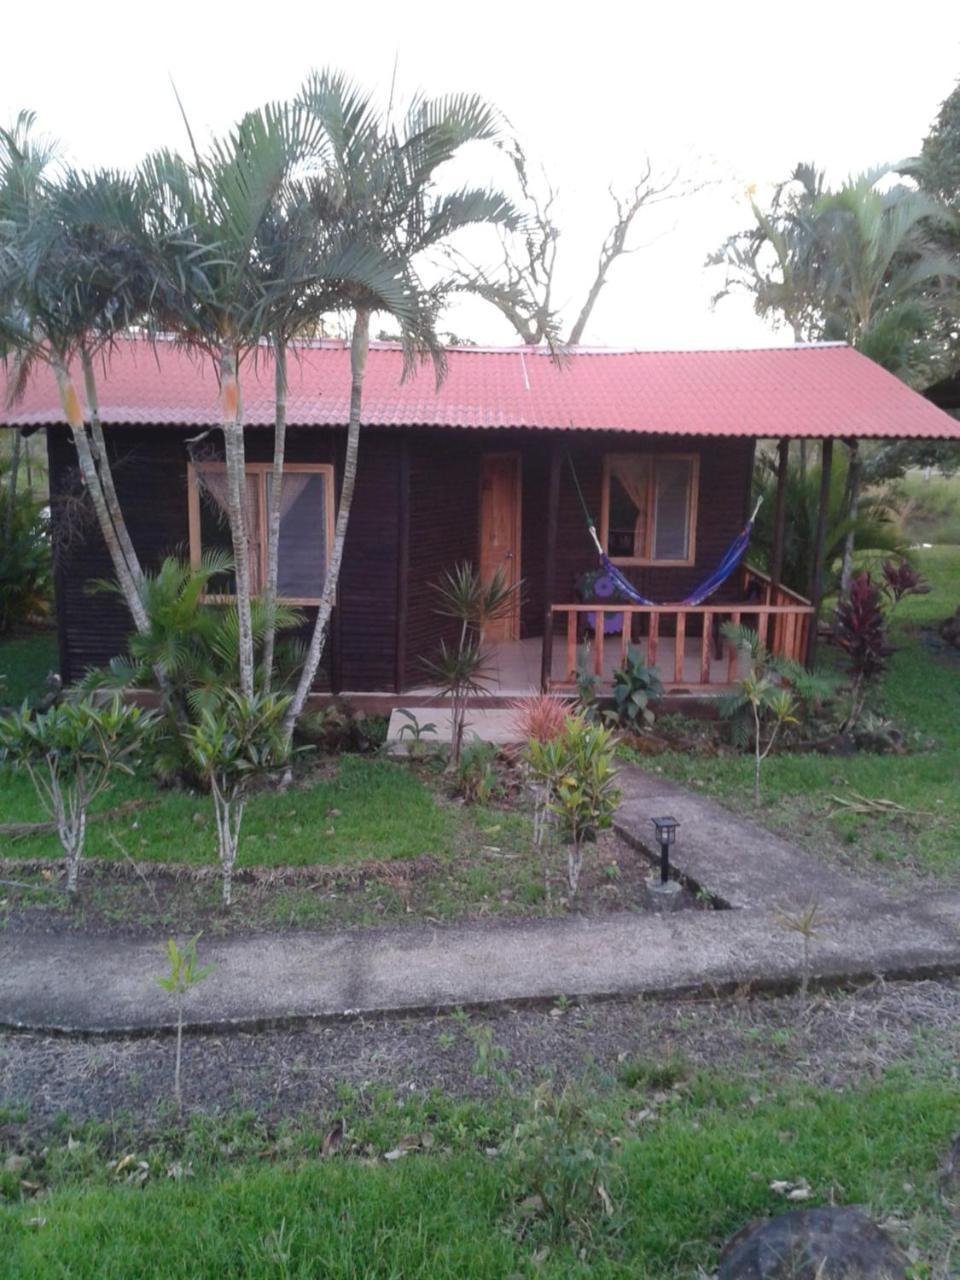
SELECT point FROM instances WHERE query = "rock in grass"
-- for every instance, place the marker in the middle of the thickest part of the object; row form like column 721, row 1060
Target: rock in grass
column 812, row 1244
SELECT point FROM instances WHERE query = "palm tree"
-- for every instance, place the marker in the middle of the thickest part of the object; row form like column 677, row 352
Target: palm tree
column 860, row 264
column 58, row 302
column 380, row 181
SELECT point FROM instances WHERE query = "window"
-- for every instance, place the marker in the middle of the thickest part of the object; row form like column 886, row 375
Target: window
column 306, row 525
column 649, row 513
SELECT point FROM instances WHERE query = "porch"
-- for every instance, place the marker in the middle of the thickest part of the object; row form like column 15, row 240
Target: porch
column 683, row 642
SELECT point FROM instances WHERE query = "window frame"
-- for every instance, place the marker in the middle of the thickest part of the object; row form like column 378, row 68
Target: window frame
column 261, row 470
column 693, row 506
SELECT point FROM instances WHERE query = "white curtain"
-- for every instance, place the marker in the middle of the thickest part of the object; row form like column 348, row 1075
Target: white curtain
column 213, row 482
column 632, row 473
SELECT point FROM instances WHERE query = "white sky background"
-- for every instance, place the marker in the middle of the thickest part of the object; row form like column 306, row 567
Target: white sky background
column 742, row 90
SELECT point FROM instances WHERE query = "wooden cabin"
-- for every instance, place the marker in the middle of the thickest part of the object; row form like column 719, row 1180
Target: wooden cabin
column 486, row 468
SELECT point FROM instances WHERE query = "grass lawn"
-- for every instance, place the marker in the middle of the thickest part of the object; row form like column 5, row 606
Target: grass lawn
column 688, row 1169
column 921, row 694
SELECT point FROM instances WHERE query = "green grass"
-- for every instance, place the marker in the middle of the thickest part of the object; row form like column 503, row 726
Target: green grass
column 921, row 694
column 25, row 661
column 261, row 1208
column 370, row 809
column 929, row 509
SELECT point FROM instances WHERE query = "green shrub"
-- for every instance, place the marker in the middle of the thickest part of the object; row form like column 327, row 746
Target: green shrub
column 71, row 753
column 635, row 685
column 26, row 564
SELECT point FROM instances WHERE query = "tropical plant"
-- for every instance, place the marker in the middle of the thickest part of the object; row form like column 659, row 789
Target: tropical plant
column 26, row 567
column 71, row 754
column 576, row 768
column 462, row 670
column 195, row 646
column 230, row 747
column 415, row 731
column 875, row 524
column 381, row 178
column 477, row 780
column 184, row 974
column 540, row 716
column 860, row 628
column 901, row 579
column 635, row 685
column 761, row 696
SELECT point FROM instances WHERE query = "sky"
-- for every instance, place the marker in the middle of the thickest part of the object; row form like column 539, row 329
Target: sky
column 733, row 93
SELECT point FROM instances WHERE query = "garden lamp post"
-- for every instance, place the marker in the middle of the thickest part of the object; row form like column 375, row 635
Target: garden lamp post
column 666, row 829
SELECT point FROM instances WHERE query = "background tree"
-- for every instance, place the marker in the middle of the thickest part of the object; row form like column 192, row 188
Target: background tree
column 522, row 286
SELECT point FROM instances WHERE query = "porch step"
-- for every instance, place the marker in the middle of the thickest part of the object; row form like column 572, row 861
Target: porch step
column 489, row 724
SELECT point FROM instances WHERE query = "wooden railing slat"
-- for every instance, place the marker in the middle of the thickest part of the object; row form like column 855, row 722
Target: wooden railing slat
column 705, row 647
column 733, row 657
column 652, row 637
column 679, row 647
column 571, row 647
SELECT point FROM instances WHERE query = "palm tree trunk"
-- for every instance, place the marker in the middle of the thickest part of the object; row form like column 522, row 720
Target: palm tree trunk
column 234, row 455
column 358, row 363
column 273, row 527
column 70, row 403
column 104, row 471
column 854, row 475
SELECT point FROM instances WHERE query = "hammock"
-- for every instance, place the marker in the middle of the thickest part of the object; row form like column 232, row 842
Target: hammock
column 616, row 581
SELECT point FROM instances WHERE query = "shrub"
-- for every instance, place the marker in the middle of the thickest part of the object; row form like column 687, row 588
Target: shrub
column 540, row 717
column 462, row 670
column 635, row 685
column 477, row 779
column 577, row 772
column 184, row 974
column 71, row 753
column 901, row 579
column 860, row 626
column 26, row 565
column 230, row 747
column 762, row 702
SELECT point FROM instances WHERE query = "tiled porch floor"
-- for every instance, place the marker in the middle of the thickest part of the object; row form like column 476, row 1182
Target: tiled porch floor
column 515, row 664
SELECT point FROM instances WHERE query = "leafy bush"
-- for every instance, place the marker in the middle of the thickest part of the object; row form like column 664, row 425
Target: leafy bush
column 477, row 779
column 577, row 772
column 901, row 579
column 195, row 645
column 71, row 753
column 635, row 685
column 338, row 728
column 860, row 626
column 541, row 716
column 26, row 563
column 229, row 747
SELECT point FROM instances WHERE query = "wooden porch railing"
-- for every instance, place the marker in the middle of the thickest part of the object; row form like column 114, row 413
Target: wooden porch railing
column 781, row 618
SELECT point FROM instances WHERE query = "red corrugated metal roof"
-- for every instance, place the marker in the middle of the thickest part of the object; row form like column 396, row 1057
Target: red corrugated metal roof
column 786, row 391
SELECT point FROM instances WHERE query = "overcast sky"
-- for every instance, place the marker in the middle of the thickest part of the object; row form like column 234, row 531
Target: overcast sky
column 739, row 90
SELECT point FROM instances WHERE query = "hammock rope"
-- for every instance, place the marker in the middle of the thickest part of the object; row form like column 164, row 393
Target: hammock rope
column 731, row 558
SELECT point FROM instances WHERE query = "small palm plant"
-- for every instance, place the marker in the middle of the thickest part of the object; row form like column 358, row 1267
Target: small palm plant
column 71, row 754
column 241, row 740
column 462, row 670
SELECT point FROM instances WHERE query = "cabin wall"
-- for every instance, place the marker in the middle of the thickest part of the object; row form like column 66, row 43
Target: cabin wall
column 150, row 472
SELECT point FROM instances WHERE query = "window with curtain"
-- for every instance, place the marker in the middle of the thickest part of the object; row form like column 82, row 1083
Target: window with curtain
column 306, row 523
column 649, row 507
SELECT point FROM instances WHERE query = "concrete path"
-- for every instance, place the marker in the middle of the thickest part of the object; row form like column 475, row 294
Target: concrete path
column 93, row 986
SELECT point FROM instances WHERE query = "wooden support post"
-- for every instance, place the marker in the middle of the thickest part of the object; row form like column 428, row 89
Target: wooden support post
column 779, row 516
column 550, row 568
column 819, row 550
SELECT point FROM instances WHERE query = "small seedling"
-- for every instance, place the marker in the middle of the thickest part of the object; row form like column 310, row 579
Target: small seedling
column 184, row 975
column 804, row 922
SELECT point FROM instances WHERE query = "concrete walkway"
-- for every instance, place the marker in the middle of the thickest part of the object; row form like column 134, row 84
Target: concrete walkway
column 98, row 986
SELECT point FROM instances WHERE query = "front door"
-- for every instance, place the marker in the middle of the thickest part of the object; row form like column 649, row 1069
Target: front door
column 500, row 533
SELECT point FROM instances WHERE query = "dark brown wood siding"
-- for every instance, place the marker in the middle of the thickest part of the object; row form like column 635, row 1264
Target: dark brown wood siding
column 150, row 472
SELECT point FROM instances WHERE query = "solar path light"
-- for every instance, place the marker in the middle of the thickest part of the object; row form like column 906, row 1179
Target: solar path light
column 666, row 829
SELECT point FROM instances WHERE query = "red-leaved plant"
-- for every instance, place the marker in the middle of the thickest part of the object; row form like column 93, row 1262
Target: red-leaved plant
column 860, row 627
column 540, row 717
column 901, row 580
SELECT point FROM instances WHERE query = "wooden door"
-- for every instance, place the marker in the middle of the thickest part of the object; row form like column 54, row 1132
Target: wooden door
column 500, row 533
